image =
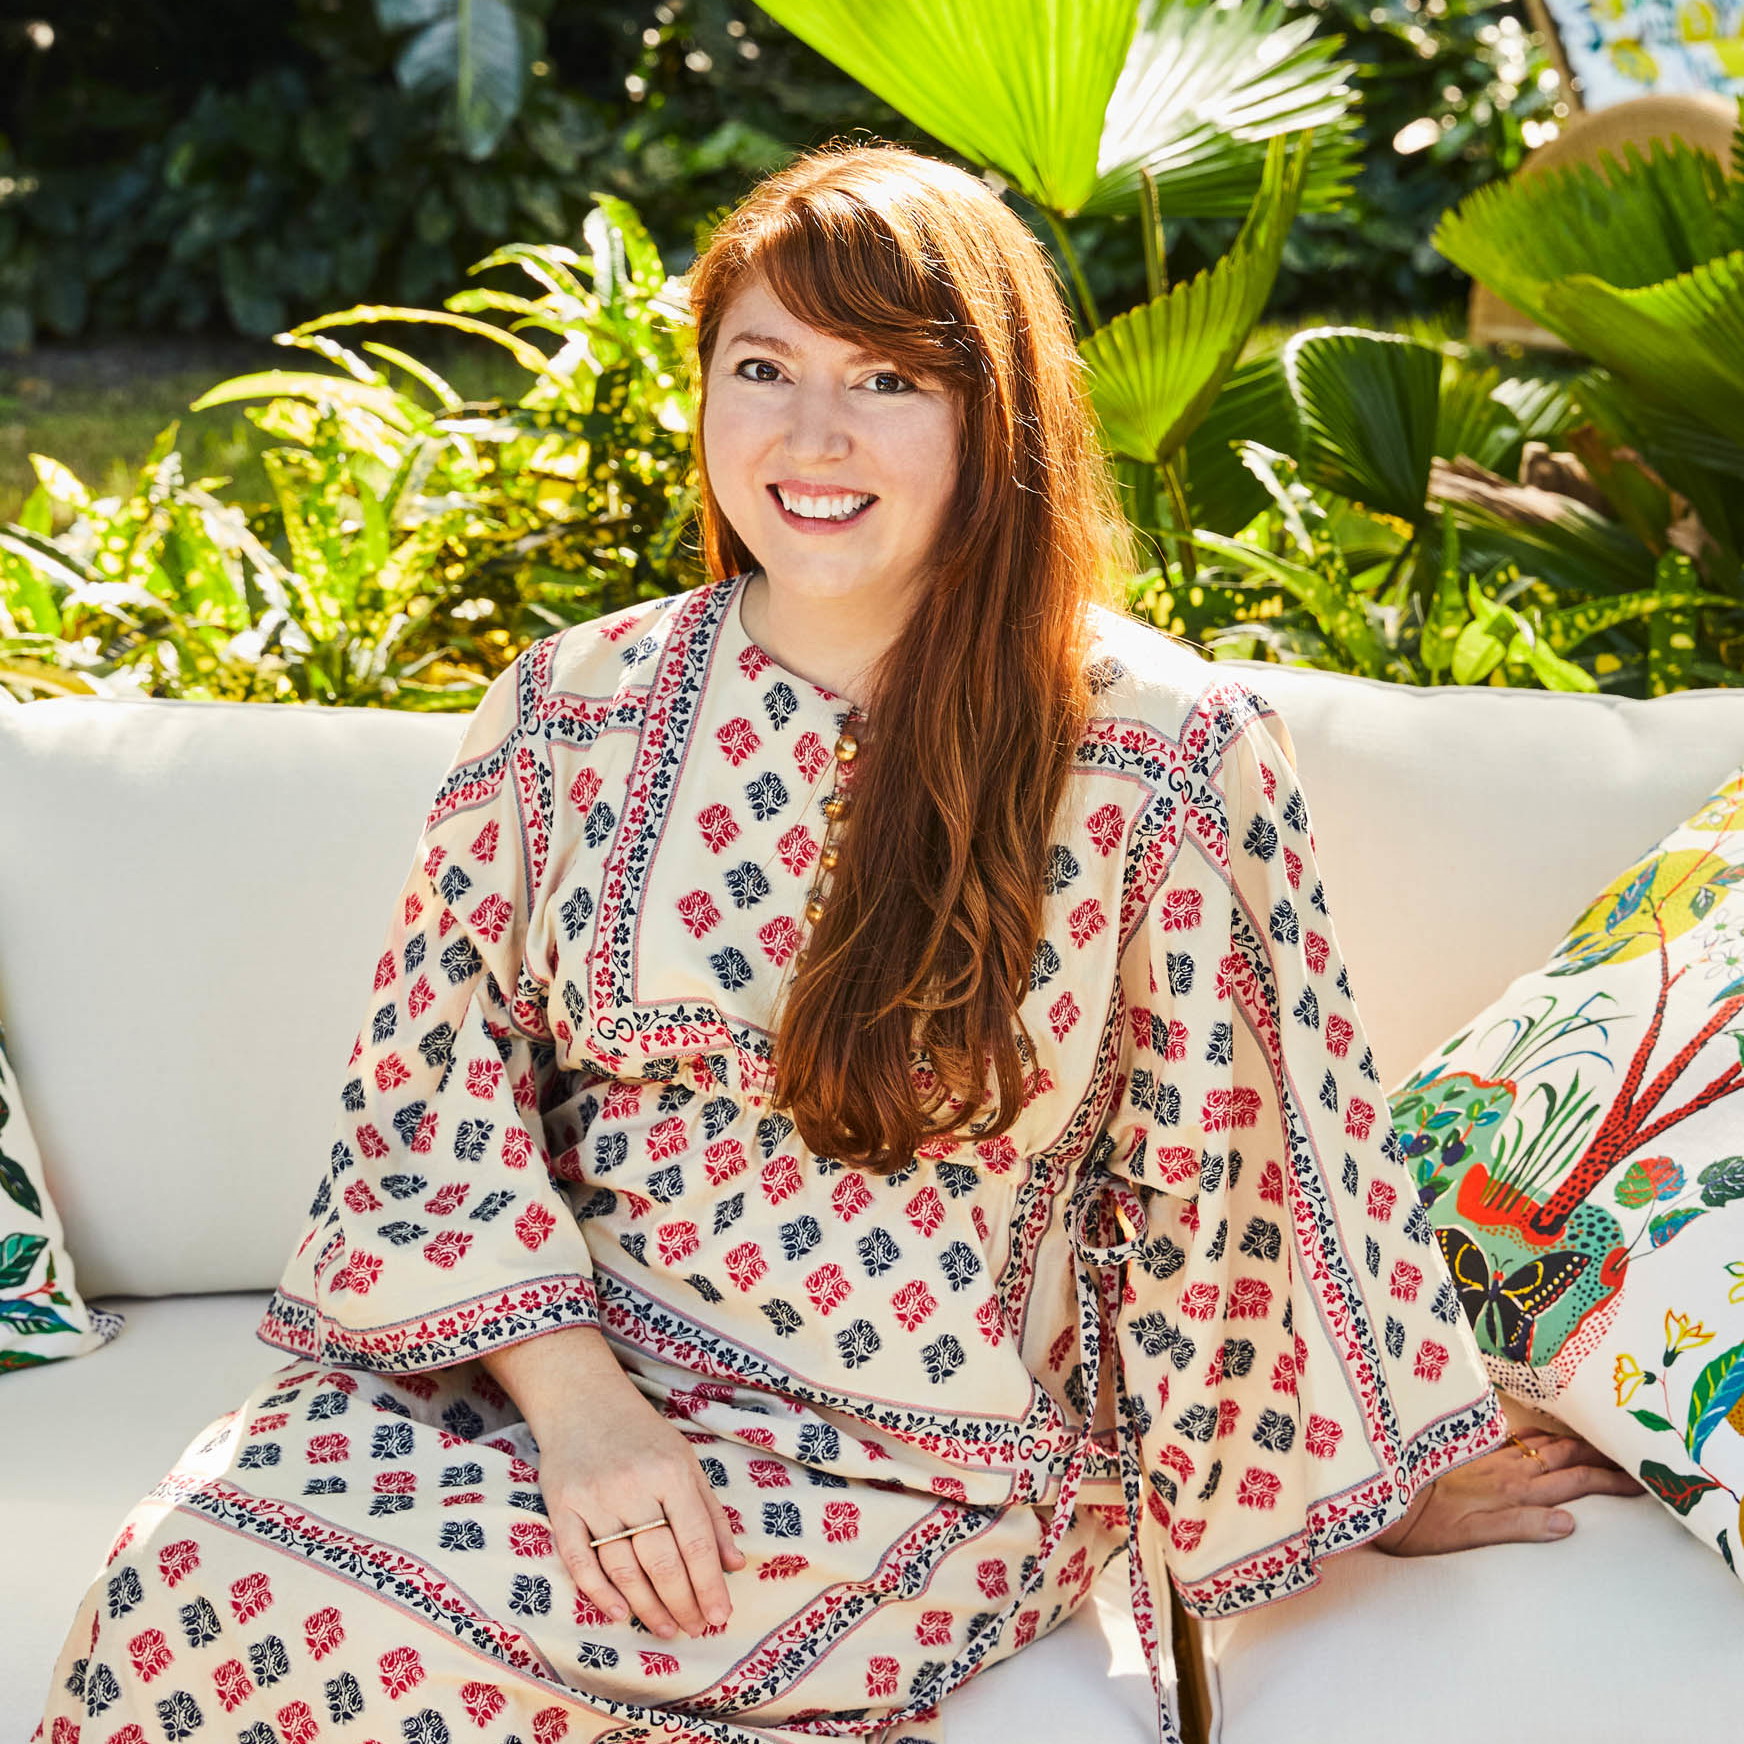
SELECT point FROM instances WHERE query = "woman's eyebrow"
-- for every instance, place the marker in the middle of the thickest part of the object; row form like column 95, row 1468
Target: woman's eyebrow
column 768, row 342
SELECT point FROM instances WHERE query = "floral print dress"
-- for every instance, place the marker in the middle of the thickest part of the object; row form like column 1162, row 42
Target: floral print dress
column 1189, row 1301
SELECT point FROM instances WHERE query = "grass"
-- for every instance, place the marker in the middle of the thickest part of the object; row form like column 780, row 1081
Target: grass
column 98, row 408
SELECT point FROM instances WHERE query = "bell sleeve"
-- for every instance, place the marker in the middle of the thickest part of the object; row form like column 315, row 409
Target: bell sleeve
column 440, row 1229
column 1292, row 1363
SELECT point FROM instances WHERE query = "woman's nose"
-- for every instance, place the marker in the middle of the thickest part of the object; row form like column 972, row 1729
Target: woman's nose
column 817, row 431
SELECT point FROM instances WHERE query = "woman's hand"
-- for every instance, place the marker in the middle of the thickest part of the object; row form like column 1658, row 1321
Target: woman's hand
column 609, row 1461
column 1507, row 1496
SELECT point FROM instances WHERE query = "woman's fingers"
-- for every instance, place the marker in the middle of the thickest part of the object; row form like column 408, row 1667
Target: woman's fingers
column 1518, row 1525
column 731, row 1555
column 694, row 1533
column 1562, row 1450
column 584, row 1568
column 628, row 1572
column 1581, row 1480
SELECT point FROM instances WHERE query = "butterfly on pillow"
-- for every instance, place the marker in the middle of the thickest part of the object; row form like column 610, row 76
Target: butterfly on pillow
column 1505, row 1309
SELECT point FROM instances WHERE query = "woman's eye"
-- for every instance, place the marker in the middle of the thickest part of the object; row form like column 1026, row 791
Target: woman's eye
column 887, row 381
column 757, row 363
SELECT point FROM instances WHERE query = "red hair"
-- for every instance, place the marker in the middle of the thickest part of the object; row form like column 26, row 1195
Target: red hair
column 974, row 713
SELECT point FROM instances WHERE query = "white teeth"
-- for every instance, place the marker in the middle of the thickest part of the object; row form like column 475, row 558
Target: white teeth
column 836, row 508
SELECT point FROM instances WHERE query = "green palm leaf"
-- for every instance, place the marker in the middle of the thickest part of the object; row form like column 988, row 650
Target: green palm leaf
column 1204, row 87
column 1679, row 343
column 1369, row 405
column 1630, row 224
column 1155, row 369
column 1252, row 406
column 473, row 48
column 1020, row 86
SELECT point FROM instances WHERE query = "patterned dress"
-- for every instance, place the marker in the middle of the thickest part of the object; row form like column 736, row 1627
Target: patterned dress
column 1199, row 1239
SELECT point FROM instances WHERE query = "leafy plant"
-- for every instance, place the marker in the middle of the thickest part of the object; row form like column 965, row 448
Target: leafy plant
column 415, row 541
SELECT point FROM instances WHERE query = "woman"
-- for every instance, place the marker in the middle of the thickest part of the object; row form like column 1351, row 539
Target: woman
column 846, row 1028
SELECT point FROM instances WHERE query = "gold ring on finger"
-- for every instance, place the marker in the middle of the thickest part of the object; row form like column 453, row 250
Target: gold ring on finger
column 1530, row 1452
column 628, row 1532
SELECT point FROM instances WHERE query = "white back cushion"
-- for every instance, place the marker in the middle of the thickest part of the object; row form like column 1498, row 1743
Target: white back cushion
column 193, row 896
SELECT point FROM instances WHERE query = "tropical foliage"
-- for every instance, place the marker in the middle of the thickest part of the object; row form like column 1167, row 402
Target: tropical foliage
column 415, row 542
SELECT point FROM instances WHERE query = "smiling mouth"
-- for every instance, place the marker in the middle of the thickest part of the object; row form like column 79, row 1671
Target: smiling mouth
column 837, row 509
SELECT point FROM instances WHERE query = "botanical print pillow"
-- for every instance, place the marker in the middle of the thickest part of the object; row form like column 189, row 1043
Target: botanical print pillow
column 1624, row 48
column 1581, row 1149
column 41, row 1316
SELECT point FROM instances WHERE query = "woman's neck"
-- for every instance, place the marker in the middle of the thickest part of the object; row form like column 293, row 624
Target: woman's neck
column 834, row 641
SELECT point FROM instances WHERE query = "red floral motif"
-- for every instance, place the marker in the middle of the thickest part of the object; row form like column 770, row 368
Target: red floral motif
column 250, row 1596
column 780, row 939
column 698, row 911
column 231, row 1681
column 1062, row 1015
column 797, row 849
column 1178, row 910
column 324, row 1630
column 484, row 1078
column 828, row 1288
column 1293, row 871
column 811, row 754
column 717, row 826
column 768, row 1474
column 424, row 1139
column 1317, row 951
column 666, row 1138
column 926, row 1210
column 1185, row 1534
column 549, row 1724
column 657, row 1664
column 484, row 844
column 1228, row 1417
column 1321, row 1436
column 360, row 1197
column 913, row 1303
column 530, row 1538
column 990, row 1322
column 621, row 1101
column 1339, row 1035
column 1271, row 1187
column 1199, row 1301
column 384, row 971
column 1023, row 1631
column 722, row 1160
column 745, row 1264
column 333, row 1449
column 1250, row 1299
column 1086, row 921
column 391, row 1073
column 993, row 1578
column 175, row 1561
column 738, row 739
column 841, row 1522
column 297, row 1722
column 881, row 1675
column 396, row 1483
column 517, row 1147
column 1383, row 1196
column 933, row 1629
column 447, row 1199
column 1359, row 1118
column 677, row 1242
column 1106, row 825
column 1405, row 1282
column 1258, row 1489
column 584, row 790
column 448, row 1248
column 1176, row 1164
column 482, row 1701
column 850, row 1197
column 1431, row 1360
column 783, row 1567
column 490, row 920
column 997, row 1155
column 1235, row 1107
column 534, row 1226
column 588, row 1614
column 149, row 1653
column 1284, row 1373
column 401, row 1670
column 421, row 997
column 780, row 1178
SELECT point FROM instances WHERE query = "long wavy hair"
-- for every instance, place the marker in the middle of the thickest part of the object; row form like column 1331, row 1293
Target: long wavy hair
column 903, row 1023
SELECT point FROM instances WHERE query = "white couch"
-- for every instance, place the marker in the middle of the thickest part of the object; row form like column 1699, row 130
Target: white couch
column 191, row 899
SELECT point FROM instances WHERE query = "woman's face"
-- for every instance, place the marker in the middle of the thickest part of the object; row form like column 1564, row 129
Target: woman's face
column 834, row 469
